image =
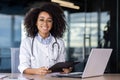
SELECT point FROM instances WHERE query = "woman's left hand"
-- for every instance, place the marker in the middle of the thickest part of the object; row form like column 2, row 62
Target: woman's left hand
column 67, row 70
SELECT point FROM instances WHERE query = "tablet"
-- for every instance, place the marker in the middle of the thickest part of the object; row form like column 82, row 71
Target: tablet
column 60, row 65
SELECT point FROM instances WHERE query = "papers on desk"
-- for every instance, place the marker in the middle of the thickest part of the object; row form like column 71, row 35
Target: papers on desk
column 3, row 76
column 10, row 79
column 6, row 77
column 13, row 77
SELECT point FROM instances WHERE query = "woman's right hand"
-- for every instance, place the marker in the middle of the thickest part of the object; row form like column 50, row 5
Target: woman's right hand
column 42, row 71
column 39, row 71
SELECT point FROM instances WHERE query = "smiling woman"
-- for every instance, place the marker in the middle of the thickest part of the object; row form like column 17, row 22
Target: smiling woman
column 43, row 47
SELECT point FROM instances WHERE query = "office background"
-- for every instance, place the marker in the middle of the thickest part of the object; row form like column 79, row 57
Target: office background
column 95, row 24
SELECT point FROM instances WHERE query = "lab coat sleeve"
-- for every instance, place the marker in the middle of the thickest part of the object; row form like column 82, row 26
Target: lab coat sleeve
column 24, row 56
column 62, row 52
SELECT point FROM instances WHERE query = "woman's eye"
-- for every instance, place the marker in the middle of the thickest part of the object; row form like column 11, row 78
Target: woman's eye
column 46, row 21
column 49, row 20
column 41, row 20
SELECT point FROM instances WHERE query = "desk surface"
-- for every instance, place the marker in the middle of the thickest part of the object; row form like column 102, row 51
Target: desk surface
column 10, row 76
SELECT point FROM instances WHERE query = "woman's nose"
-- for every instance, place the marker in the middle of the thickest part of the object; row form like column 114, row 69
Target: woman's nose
column 45, row 23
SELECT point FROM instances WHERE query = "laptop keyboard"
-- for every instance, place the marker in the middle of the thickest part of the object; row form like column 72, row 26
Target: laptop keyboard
column 70, row 74
column 75, row 73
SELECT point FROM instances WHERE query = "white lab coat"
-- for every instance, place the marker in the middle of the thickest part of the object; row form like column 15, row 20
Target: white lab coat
column 42, row 56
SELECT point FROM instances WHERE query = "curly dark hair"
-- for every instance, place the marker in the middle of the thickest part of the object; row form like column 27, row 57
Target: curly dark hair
column 59, row 23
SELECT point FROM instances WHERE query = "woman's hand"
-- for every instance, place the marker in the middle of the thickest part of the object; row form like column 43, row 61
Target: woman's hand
column 42, row 71
column 67, row 70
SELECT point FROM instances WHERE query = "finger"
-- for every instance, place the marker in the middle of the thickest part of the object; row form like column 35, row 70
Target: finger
column 45, row 71
column 66, row 70
column 70, row 68
column 48, row 71
column 42, row 72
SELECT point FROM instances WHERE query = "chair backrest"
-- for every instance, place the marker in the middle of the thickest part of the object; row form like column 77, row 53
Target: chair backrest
column 14, row 60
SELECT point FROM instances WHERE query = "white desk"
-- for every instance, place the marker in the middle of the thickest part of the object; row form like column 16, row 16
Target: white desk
column 48, row 77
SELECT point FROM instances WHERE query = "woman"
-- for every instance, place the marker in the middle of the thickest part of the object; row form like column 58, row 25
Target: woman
column 43, row 46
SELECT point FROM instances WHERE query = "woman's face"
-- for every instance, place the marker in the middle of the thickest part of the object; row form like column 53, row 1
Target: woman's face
column 44, row 23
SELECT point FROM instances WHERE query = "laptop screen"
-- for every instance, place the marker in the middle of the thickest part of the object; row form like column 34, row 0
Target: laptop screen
column 97, row 62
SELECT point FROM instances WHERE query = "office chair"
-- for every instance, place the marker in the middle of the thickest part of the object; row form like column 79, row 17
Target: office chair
column 14, row 60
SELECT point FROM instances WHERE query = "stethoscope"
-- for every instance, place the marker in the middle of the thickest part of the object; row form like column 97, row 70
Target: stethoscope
column 53, row 48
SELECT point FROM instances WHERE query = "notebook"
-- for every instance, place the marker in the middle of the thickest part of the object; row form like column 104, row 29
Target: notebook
column 95, row 66
column 3, row 76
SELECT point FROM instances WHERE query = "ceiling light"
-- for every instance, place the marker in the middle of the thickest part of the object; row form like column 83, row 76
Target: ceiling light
column 66, row 4
column 62, row 2
column 74, row 7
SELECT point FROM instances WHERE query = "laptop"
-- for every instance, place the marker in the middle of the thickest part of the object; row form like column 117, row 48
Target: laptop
column 95, row 66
